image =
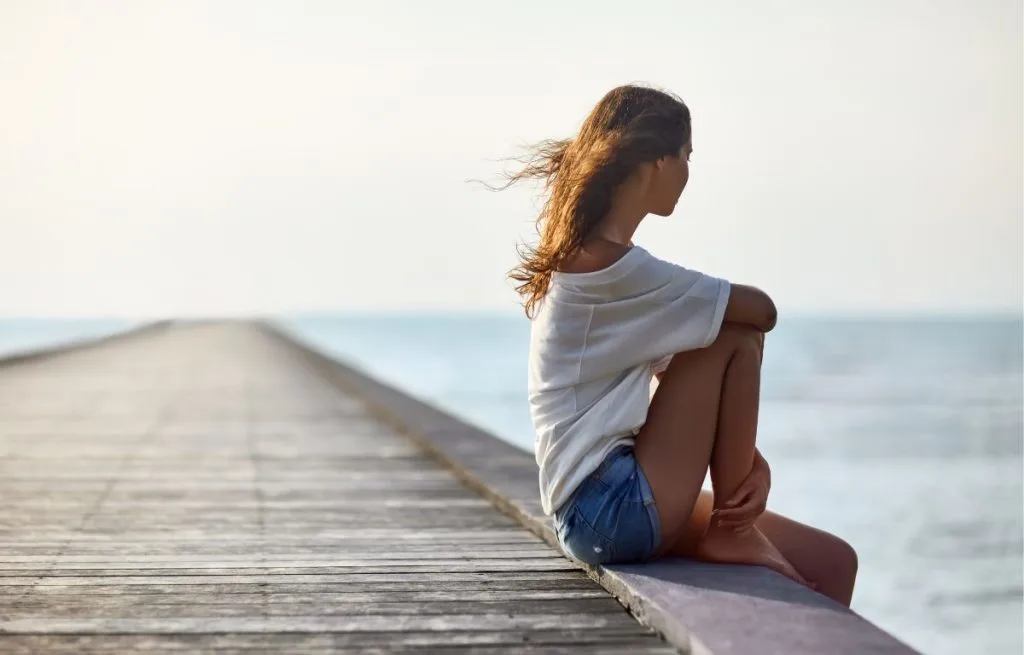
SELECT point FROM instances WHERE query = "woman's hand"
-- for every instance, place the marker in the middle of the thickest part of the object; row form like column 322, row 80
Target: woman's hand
column 749, row 501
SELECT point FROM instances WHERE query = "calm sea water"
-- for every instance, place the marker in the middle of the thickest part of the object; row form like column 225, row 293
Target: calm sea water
column 903, row 437
column 20, row 335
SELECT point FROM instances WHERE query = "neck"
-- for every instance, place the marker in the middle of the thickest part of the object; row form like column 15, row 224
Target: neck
column 624, row 216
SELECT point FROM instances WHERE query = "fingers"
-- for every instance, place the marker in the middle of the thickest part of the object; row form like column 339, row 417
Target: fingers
column 746, row 512
column 730, row 513
column 742, row 517
column 741, row 496
column 742, row 506
column 740, row 525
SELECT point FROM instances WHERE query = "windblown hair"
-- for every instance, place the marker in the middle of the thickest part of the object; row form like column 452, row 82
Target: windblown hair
column 630, row 126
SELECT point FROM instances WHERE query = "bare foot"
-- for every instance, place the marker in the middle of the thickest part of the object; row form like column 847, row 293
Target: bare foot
column 725, row 546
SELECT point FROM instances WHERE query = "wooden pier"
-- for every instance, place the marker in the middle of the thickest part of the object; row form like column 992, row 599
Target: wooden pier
column 204, row 487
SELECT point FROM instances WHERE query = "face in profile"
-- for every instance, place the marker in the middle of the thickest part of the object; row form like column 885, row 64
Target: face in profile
column 668, row 181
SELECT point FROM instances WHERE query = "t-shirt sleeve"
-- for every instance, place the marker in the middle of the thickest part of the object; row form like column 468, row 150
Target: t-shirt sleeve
column 688, row 310
column 664, row 309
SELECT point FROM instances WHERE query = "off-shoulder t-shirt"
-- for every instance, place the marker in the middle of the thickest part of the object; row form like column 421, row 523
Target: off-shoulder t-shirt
column 594, row 344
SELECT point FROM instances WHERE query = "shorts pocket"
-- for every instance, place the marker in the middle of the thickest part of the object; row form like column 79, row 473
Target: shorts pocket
column 581, row 541
column 624, row 516
column 634, row 535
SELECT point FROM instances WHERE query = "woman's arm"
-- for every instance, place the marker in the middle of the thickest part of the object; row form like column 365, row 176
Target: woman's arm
column 748, row 306
column 751, row 306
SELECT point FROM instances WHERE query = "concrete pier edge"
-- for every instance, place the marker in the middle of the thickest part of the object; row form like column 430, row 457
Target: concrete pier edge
column 797, row 621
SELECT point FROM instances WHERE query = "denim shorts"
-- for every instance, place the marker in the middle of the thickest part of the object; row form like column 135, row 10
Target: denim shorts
column 611, row 517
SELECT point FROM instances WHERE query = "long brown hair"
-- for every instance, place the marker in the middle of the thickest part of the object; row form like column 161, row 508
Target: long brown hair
column 629, row 126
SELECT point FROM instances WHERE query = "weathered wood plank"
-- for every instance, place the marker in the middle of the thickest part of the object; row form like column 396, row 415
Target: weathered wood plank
column 325, row 535
column 204, row 490
column 71, row 598
column 338, row 568
column 85, row 563
column 265, row 608
column 378, row 584
column 299, row 623
column 440, row 574
column 613, row 648
column 616, row 640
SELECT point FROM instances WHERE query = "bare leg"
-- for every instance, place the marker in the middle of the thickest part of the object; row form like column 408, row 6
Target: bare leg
column 823, row 558
column 705, row 411
column 818, row 556
column 732, row 460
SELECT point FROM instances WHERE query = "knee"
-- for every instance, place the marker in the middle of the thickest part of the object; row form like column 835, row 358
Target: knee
column 732, row 340
column 851, row 558
column 845, row 558
column 740, row 337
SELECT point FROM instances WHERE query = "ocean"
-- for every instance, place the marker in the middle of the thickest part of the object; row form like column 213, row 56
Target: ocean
column 901, row 436
column 904, row 437
column 21, row 335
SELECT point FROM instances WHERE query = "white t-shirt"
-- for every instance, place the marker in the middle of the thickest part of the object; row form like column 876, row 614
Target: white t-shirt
column 595, row 343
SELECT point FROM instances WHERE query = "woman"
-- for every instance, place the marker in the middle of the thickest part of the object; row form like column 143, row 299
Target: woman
column 620, row 471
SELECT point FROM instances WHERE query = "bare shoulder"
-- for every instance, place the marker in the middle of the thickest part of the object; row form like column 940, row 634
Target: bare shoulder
column 593, row 256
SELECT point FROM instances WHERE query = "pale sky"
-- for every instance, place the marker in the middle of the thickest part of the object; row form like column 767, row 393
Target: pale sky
column 182, row 158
